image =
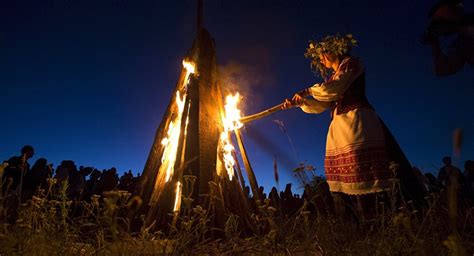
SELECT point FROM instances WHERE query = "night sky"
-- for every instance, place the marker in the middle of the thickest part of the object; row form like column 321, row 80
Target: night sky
column 89, row 81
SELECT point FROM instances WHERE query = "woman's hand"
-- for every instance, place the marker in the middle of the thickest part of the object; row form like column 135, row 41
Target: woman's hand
column 287, row 104
column 297, row 100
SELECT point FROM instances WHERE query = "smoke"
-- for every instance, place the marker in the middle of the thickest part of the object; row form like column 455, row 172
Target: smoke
column 240, row 77
column 249, row 73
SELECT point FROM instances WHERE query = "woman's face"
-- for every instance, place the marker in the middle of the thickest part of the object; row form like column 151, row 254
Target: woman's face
column 326, row 60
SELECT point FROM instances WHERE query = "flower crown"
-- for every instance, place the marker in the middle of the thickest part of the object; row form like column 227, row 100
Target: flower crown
column 336, row 45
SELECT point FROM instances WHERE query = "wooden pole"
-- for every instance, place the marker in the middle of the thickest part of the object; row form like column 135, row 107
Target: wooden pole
column 248, row 168
column 239, row 170
column 262, row 114
column 199, row 14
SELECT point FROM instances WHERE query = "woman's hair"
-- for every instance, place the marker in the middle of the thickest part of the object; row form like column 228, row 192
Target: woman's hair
column 338, row 46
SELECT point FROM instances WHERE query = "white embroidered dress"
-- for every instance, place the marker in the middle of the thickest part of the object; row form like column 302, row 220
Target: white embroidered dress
column 356, row 160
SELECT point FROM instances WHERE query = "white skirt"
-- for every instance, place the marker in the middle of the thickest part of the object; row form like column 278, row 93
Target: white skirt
column 357, row 159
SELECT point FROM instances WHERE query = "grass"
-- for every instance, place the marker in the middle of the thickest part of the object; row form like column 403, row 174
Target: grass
column 51, row 224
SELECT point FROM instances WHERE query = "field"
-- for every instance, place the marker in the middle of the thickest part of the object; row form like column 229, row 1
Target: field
column 51, row 224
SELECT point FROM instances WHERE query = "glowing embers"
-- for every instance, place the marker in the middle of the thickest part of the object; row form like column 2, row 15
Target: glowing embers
column 171, row 141
column 231, row 122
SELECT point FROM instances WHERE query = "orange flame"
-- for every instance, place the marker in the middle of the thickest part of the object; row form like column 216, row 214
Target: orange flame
column 170, row 143
column 231, row 122
column 177, row 199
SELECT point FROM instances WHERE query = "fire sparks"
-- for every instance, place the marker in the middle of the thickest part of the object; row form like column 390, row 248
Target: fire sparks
column 171, row 141
column 231, row 122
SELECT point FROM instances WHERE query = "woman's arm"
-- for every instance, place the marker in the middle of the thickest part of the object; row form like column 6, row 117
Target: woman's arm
column 313, row 106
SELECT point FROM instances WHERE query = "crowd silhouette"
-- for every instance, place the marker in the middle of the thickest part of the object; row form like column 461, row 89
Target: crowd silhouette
column 20, row 183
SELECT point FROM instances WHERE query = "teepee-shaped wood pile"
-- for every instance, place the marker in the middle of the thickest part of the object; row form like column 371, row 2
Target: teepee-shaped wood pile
column 187, row 162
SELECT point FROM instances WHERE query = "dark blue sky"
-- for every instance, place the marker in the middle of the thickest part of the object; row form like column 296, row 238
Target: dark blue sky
column 89, row 80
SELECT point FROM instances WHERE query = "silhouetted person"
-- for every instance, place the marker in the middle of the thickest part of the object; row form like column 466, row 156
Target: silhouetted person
column 13, row 178
column 134, row 186
column 64, row 171
column 247, row 191
column 469, row 170
column 287, row 200
column 77, row 182
column 287, row 194
column 274, row 198
column 126, row 181
column 318, row 194
column 18, row 167
column 449, row 173
column 469, row 178
column 92, row 184
column 421, row 178
column 252, row 203
column 109, row 180
column 37, row 176
column 447, row 18
column 308, row 196
column 433, row 184
column 261, row 188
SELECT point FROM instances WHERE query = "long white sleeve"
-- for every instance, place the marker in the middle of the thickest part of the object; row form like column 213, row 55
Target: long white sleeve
column 349, row 69
column 312, row 106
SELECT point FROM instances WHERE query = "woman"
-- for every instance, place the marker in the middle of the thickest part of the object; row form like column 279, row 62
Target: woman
column 359, row 148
